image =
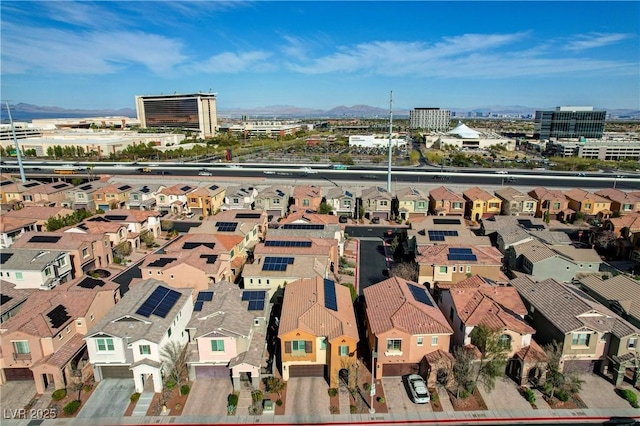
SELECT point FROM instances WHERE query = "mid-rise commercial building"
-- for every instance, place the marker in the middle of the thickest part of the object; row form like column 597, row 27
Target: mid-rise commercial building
column 195, row 111
column 429, row 118
column 569, row 122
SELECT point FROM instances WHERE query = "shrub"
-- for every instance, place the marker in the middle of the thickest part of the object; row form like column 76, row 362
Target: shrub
column 88, row 387
column 59, row 394
column 562, row 395
column 178, row 406
column 353, row 409
column 334, row 410
column 279, row 402
column 630, row 396
column 71, row 407
column 367, row 387
column 184, row 389
column 256, row 395
column 381, row 399
column 232, row 399
column 530, row 396
column 332, row 391
column 434, row 396
column 135, row 397
column 170, row 383
column 464, row 394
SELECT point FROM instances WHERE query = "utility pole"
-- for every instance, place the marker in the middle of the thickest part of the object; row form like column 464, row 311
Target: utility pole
column 390, row 135
column 15, row 142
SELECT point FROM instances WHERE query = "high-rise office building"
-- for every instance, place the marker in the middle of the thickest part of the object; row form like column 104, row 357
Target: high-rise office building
column 569, row 122
column 429, row 118
column 194, row 111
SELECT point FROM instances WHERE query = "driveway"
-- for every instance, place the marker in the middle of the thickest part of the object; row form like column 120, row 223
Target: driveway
column 15, row 395
column 109, row 399
column 398, row 400
column 307, row 395
column 504, row 396
column 208, row 397
column 373, row 263
column 598, row 392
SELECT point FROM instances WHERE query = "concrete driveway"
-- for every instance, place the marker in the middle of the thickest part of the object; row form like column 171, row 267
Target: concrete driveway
column 109, row 399
column 398, row 400
column 15, row 395
column 208, row 397
column 504, row 396
column 598, row 392
column 307, row 395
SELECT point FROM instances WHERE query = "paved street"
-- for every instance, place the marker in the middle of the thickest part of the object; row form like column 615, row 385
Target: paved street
column 208, row 397
column 307, row 396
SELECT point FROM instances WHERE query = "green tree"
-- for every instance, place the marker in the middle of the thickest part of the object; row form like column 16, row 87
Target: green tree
column 174, row 356
column 275, row 385
column 147, row 238
column 325, row 208
column 462, row 370
column 123, row 249
column 494, row 354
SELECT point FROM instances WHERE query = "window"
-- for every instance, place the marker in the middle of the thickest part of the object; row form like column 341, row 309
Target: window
column 169, row 332
column 420, row 341
column 468, row 269
column 276, row 201
column 171, row 276
column 305, row 202
column 63, row 261
column 105, row 345
column 633, row 343
column 78, row 323
column 505, row 341
column 493, row 205
column 394, row 345
column 135, row 197
column 457, row 206
column 299, row 346
column 145, row 350
column 217, row 345
column 162, row 198
column 434, row 340
column 443, row 269
column 60, row 336
column 346, row 203
column 383, row 203
column 68, row 329
column 92, row 317
column 455, row 269
column 85, row 252
column 19, row 275
column 580, row 339
column 451, row 314
column 343, row 350
column 236, row 200
column 587, row 205
column 626, row 207
column 556, row 206
column 323, row 343
column 529, row 206
column 99, row 196
column 150, row 272
column 21, row 347
column 422, row 205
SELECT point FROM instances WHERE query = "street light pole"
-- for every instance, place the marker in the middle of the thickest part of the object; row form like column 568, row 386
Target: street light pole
column 374, row 354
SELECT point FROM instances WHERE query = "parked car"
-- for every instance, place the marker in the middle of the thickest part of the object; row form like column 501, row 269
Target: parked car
column 418, row 388
column 205, row 174
column 502, row 172
column 190, row 215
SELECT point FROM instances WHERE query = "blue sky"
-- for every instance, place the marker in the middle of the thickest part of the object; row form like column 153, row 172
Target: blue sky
column 323, row 54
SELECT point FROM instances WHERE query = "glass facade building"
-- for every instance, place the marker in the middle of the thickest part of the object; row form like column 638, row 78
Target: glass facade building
column 195, row 112
column 569, row 122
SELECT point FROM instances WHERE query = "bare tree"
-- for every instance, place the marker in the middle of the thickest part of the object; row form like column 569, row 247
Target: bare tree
column 406, row 270
column 606, row 239
column 462, row 369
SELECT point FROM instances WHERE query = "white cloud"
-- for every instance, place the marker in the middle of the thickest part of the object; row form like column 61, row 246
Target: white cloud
column 230, row 62
column 594, row 40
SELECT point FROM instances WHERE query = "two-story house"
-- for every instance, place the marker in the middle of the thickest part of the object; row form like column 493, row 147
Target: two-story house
column 40, row 213
column 412, row 202
column 240, row 198
column 135, row 221
column 376, row 202
column 622, row 202
column 274, row 200
column 516, row 203
column 312, row 228
column 34, row 268
column 432, row 230
column 173, row 199
column 318, row 332
column 406, row 329
column 128, row 340
column 619, row 293
column 444, row 202
column 206, row 200
column 12, row 228
column 44, row 342
column 143, row 197
column 588, row 203
column 11, row 192
column 342, row 201
column 81, row 196
column 112, row 197
column 306, row 198
column 12, row 299
column 481, row 204
column 49, row 194
column 98, row 225
column 551, row 202
column 227, row 333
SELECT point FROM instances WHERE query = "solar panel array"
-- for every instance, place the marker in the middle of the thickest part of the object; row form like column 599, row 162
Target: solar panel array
column 31, row 184
column 44, row 239
column 306, row 226
column 6, row 182
column 59, row 185
column 280, row 193
column 58, row 316
column 278, row 243
column 276, row 263
column 189, row 245
column 464, row 254
column 348, row 194
column 256, row 299
column 4, row 299
column 439, row 235
column 116, row 217
column 248, row 215
column 89, row 282
column 98, row 219
column 330, row 298
column 4, row 257
column 185, row 188
column 205, row 296
column 145, row 189
column 440, row 221
column 197, row 307
column 420, row 294
column 162, row 262
column 159, row 303
column 211, row 258
column 226, row 226
column 124, row 187
column 86, row 187
column 213, row 187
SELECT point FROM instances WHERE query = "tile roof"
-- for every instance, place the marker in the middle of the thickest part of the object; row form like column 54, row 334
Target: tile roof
column 339, row 193
column 49, row 188
column 577, row 194
column 618, row 195
column 620, row 288
column 410, row 193
column 8, row 224
column 531, row 353
column 511, row 194
column 391, row 305
column 630, row 221
column 177, row 189
column 304, row 309
column 442, row 193
column 38, row 212
column 474, row 281
column 319, row 246
column 29, row 259
column 544, row 194
column 476, row 193
column 438, row 255
column 304, row 217
column 64, row 354
column 275, row 191
column 303, row 267
column 12, row 296
column 535, row 251
column 311, row 191
column 376, row 193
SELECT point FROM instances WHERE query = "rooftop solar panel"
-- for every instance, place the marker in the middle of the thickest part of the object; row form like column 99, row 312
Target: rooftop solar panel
column 98, row 219
column 278, row 243
column 254, row 295
column 440, row 221
column 5, row 257
column 159, row 303
column 89, row 282
column 460, row 250
column 226, row 226
column 6, row 182
column 4, row 299
column 162, row 262
column 256, row 305
column 211, row 258
column 124, row 187
column 248, row 215
column 420, row 294
column 213, row 187
column 115, row 217
column 304, row 226
column 86, row 187
column 348, row 194
column 197, row 307
column 58, row 316
column 145, row 189
column 60, row 185
column 330, row 298
column 44, row 239
column 280, row 193
column 462, row 257
column 185, row 188
column 205, row 296
column 31, row 184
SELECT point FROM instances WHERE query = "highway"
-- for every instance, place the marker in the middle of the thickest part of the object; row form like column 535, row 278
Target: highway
column 367, row 175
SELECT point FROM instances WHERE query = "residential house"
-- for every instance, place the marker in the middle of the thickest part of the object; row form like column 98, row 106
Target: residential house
column 591, row 336
column 444, row 202
column 12, row 228
column 412, row 202
column 227, row 335
column 34, row 268
column 433, row 230
column 41, row 213
column 475, row 301
column 44, row 342
column 274, row 200
column 206, row 200
column 12, row 299
column 304, row 217
column 98, row 225
column 561, row 262
column 342, row 201
column 240, row 198
column 622, row 202
column 516, row 234
column 88, row 251
column 81, row 196
column 620, row 293
column 480, row 204
column 318, row 332
column 445, row 263
column 127, row 341
column 551, row 202
column 406, row 329
column 11, row 192
column 242, row 228
column 306, row 198
column 313, row 227
column 112, row 197
column 627, row 229
column 50, row 194
column 516, row 203
column 588, row 203
column 376, row 202
column 143, row 197
column 135, row 221
column 174, row 199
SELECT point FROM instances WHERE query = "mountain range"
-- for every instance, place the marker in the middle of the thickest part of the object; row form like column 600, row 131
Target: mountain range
column 26, row 112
